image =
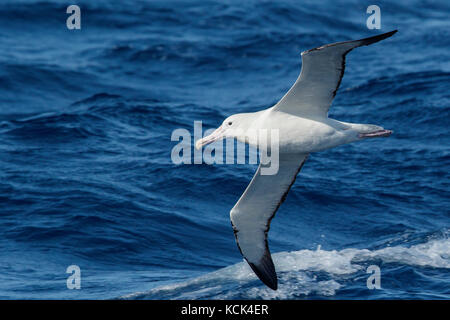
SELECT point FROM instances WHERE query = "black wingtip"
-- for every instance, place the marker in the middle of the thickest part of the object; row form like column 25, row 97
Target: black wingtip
column 377, row 38
column 357, row 43
column 265, row 270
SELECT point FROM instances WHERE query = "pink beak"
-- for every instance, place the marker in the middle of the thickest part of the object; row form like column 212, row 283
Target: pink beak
column 216, row 135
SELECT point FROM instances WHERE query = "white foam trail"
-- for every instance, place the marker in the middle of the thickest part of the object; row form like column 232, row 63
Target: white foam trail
column 435, row 253
column 295, row 268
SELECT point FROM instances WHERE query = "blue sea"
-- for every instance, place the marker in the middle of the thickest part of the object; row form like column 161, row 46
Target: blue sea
column 86, row 176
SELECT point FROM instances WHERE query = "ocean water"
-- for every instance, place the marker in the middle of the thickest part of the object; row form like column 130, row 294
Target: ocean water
column 86, row 177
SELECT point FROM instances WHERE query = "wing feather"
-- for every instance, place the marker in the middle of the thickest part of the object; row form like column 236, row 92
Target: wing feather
column 251, row 215
column 320, row 77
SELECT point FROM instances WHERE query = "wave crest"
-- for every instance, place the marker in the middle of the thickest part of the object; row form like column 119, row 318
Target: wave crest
column 316, row 273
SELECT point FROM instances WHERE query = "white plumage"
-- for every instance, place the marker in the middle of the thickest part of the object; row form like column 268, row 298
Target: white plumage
column 301, row 119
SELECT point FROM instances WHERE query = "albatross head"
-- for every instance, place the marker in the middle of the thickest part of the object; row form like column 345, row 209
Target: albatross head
column 232, row 127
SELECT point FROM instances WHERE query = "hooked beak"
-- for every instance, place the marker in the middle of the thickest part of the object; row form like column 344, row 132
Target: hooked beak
column 216, row 135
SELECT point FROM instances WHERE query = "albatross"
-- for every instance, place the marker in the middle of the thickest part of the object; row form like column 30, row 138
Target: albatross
column 301, row 118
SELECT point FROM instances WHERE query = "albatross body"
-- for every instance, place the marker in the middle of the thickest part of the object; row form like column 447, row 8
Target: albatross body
column 301, row 120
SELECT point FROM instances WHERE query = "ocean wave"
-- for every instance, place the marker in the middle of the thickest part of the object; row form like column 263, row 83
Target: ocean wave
column 86, row 118
column 302, row 273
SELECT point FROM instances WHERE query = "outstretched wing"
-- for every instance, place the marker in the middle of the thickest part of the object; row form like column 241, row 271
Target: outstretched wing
column 322, row 72
column 251, row 215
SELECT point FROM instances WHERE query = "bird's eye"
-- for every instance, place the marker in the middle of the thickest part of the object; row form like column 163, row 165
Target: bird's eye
column 230, row 123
